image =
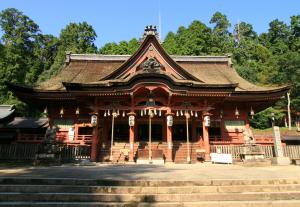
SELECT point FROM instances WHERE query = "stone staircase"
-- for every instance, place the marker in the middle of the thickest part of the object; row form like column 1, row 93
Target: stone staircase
column 118, row 156
column 43, row 192
column 180, row 152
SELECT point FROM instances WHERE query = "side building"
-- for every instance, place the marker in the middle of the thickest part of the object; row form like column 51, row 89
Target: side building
column 173, row 105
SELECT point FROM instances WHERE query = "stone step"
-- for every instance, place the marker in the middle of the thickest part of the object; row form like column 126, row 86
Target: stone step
column 276, row 203
column 143, row 183
column 103, row 197
column 147, row 190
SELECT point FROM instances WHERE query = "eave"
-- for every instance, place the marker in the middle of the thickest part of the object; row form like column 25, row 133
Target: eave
column 28, row 94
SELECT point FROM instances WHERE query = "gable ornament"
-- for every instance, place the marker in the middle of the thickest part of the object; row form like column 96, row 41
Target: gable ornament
column 151, row 65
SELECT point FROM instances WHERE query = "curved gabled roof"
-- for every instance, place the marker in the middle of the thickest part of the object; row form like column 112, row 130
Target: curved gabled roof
column 91, row 69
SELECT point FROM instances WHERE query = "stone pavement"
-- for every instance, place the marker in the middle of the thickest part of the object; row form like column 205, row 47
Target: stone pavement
column 155, row 172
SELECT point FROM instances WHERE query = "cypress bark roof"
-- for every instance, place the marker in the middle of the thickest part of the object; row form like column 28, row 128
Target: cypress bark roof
column 85, row 68
column 91, row 70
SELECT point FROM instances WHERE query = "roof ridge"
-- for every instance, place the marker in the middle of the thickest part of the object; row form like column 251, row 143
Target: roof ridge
column 192, row 58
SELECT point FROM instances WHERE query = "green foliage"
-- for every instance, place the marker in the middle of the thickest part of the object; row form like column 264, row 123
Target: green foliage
column 263, row 119
column 222, row 41
column 193, row 40
column 17, row 53
column 75, row 38
column 243, row 31
column 123, row 48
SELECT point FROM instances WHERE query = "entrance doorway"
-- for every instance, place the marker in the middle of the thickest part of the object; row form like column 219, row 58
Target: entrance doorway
column 156, row 132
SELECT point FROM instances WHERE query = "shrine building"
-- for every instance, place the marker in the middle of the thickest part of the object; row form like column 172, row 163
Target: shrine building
column 149, row 105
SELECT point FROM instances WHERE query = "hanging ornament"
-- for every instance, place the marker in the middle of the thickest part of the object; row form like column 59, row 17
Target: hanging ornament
column 252, row 112
column 236, row 112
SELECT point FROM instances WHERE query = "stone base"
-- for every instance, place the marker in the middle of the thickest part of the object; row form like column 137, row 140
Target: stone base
column 146, row 162
column 142, row 161
column 87, row 162
column 281, row 161
column 158, row 162
column 254, row 163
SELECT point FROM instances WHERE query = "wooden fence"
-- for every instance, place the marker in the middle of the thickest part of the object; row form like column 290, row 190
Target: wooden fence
column 27, row 152
column 292, row 151
column 23, row 152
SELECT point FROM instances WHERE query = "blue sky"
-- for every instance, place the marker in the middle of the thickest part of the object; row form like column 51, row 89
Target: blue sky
column 116, row 20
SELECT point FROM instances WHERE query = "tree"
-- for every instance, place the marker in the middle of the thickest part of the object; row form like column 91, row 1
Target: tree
column 45, row 50
column 288, row 72
column 263, row 119
column 19, row 35
column 221, row 39
column 170, row 43
column 243, row 31
column 123, row 48
column 193, row 40
column 278, row 37
column 295, row 33
column 75, row 38
column 18, row 63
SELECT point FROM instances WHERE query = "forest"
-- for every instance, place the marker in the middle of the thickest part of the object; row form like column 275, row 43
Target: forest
column 27, row 56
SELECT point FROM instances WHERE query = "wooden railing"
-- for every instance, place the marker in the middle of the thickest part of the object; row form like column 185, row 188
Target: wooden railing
column 84, row 139
column 80, row 139
column 264, row 139
column 292, row 151
column 236, row 150
column 23, row 152
column 260, row 139
column 71, row 153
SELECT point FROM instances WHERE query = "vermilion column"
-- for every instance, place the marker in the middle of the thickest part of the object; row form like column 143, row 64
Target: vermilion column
column 169, row 138
column 94, row 150
column 170, row 144
column 206, row 140
column 131, row 143
column 131, row 122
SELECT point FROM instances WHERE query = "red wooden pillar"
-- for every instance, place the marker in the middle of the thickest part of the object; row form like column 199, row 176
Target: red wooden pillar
column 131, row 143
column 205, row 139
column 131, row 135
column 94, row 150
column 169, row 138
column 170, row 144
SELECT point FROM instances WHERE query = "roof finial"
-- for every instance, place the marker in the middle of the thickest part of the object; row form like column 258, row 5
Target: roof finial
column 150, row 30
